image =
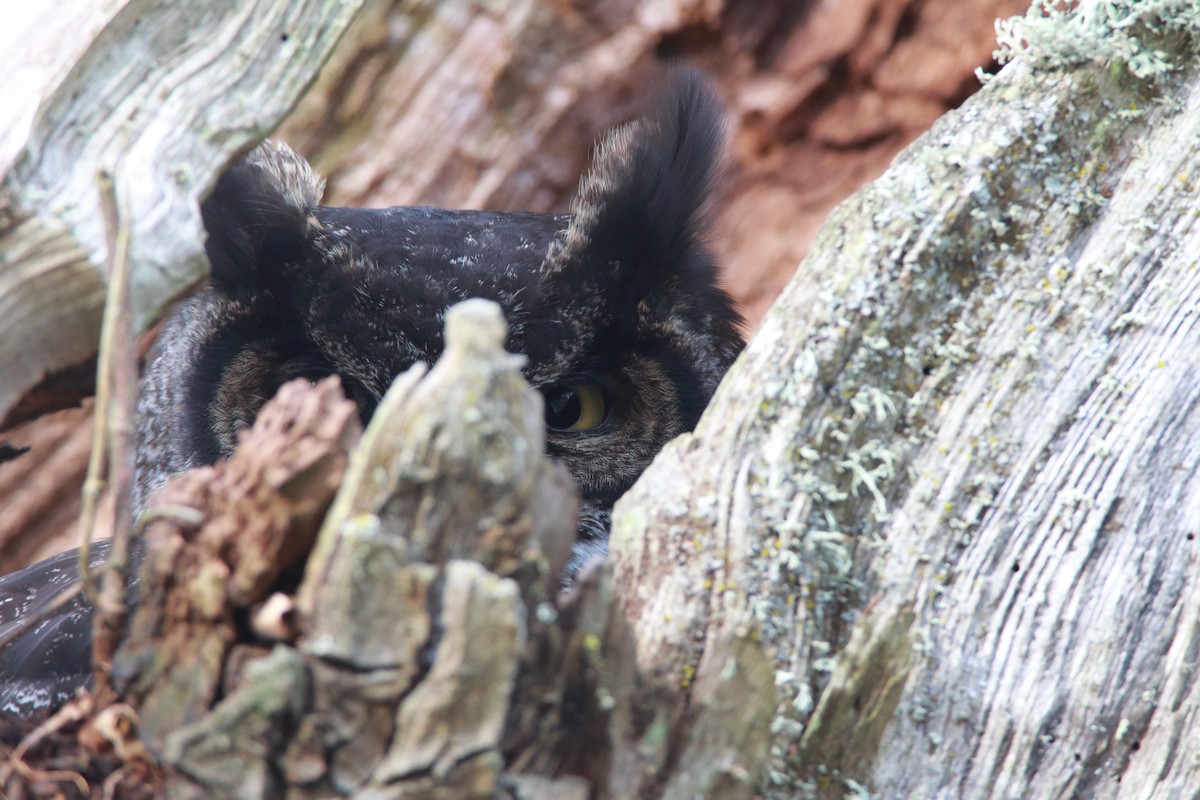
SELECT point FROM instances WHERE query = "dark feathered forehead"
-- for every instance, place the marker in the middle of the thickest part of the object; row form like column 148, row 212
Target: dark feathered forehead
column 372, row 285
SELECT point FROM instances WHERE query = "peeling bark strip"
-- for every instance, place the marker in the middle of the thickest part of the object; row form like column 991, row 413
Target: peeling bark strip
column 954, row 479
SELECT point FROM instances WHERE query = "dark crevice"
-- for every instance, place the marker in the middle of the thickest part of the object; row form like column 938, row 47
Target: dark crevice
column 9, row 452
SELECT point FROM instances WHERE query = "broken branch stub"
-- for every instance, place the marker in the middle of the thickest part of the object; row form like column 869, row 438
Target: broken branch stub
column 395, row 612
column 414, row 610
column 259, row 513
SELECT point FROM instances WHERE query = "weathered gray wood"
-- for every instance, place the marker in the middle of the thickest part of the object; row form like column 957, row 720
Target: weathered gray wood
column 161, row 95
column 953, row 481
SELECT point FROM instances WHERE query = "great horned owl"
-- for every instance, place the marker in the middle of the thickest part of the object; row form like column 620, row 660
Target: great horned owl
column 616, row 307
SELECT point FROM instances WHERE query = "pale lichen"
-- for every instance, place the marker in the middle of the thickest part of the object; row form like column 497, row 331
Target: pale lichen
column 1105, row 32
column 959, row 272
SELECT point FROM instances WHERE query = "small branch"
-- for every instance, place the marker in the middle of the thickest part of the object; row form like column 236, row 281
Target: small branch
column 68, row 714
column 116, row 383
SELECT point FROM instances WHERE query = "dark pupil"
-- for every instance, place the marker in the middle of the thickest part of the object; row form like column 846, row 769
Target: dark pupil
column 563, row 407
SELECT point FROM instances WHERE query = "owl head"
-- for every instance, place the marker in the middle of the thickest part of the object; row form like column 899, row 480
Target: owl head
column 616, row 306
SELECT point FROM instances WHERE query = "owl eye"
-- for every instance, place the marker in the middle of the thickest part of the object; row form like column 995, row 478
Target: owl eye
column 574, row 407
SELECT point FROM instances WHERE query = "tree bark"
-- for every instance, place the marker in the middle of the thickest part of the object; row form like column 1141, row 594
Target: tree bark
column 952, row 485
column 934, row 537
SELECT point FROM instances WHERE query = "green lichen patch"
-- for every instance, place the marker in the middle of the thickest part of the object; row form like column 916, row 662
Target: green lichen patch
column 1134, row 35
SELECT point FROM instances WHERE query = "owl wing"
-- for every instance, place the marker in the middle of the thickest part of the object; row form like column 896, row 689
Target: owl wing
column 43, row 666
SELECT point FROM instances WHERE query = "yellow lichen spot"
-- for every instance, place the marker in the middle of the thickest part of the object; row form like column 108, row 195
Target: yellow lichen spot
column 1159, row 364
column 591, row 643
column 1030, row 328
column 666, row 617
column 708, row 584
column 949, row 506
column 689, row 672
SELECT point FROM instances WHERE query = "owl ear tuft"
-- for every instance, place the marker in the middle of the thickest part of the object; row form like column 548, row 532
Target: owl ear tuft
column 259, row 217
column 640, row 206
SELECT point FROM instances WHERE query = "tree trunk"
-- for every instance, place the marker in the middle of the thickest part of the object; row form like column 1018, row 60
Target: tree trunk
column 951, row 486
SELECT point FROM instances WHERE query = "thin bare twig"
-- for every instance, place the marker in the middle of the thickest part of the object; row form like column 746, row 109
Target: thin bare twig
column 116, row 383
column 68, row 714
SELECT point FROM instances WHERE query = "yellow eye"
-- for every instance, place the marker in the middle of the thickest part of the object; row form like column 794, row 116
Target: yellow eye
column 574, row 407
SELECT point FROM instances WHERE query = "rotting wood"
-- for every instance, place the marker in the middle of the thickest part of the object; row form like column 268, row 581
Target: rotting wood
column 256, row 517
column 819, row 101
